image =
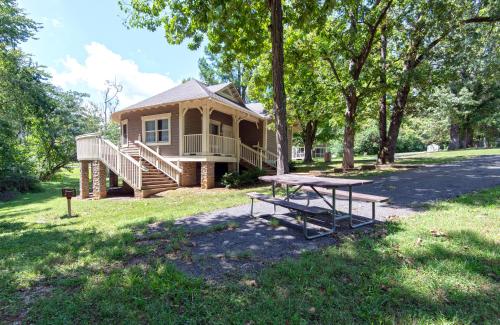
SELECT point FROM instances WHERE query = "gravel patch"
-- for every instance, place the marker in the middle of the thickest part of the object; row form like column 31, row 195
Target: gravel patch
column 255, row 243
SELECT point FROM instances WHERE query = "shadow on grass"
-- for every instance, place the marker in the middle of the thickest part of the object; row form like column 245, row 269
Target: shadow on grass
column 84, row 276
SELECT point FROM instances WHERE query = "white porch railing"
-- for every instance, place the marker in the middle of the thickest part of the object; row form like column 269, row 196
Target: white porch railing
column 270, row 158
column 250, row 155
column 157, row 160
column 193, row 144
column 87, row 146
column 222, row 145
column 93, row 147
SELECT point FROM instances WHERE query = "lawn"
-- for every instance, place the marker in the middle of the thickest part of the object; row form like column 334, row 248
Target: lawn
column 439, row 157
column 440, row 266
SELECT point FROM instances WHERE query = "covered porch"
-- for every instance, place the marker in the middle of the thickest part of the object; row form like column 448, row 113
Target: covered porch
column 214, row 130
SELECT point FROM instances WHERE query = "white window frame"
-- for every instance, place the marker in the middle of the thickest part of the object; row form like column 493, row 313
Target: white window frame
column 165, row 116
column 218, row 124
column 122, row 123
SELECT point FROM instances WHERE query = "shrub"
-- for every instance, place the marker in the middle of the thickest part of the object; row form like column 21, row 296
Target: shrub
column 245, row 178
column 408, row 141
column 367, row 141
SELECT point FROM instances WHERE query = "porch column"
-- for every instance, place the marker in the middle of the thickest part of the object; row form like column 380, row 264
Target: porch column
column 236, row 134
column 181, row 130
column 264, row 135
column 205, row 125
column 207, row 175
column 188, row 176
column 98, row 180
column 84, row 179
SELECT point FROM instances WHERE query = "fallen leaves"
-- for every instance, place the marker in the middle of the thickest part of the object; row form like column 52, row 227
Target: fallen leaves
column 249, row 283
column 437, row 233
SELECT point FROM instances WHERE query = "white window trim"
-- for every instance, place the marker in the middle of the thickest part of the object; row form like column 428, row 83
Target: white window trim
column 218, row 123
column 122, row 123
column 165, row 116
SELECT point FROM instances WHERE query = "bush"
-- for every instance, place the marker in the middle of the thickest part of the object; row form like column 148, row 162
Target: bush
column 366, row 141
column 245, row 178
column 408, row 141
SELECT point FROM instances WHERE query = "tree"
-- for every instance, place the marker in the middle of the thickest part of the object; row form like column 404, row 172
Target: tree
column 420, row 26
column 347, row 41
column 38, row 121
column 238, row 26
column 224, row 67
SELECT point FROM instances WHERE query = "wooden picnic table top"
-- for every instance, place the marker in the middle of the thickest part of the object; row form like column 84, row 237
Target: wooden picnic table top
column 326, row 182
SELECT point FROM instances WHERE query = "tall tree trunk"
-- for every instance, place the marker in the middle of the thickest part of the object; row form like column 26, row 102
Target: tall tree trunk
column 454, row 137
column 279, row 105
column 396, row 120
column 309, row 135
column 349, row 131
column 382, row 111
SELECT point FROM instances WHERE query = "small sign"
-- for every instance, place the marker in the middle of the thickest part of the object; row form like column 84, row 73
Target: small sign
column 65, row 192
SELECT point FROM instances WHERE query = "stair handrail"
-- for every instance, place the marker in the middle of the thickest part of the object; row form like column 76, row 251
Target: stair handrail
column 258, row 155
column 161, row 163
column 267, row 152
column 132, row 160
column 157, row 155
column 269, row 157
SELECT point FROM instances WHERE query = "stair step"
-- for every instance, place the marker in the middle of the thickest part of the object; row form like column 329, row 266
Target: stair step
column 158, row 186
column 158, row 181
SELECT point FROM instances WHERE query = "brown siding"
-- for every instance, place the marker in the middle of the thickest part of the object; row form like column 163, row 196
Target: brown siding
column 271, row 141
column 250, row 134
column 221, row 117
column 135, row 127
column 192, row 121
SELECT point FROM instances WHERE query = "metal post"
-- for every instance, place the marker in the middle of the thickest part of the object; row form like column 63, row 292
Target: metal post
column 68, row 199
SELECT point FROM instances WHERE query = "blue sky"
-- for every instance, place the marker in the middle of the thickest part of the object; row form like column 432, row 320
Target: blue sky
column 83, row 43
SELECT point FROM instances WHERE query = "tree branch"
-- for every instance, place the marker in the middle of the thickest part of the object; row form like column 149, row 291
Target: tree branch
column 332, row 65
column 373, row 30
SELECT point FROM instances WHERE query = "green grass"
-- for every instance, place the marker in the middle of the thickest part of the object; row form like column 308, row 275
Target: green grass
column 439, row 157
column 441, row 266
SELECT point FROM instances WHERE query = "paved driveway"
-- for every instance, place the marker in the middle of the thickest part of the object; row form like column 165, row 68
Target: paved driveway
column 254, row 243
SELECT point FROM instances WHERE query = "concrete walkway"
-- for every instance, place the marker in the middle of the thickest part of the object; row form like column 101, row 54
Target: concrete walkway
column 255, row 243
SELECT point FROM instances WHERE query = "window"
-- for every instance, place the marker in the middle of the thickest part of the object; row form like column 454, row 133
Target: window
column 156, row 129
column 215, row 127
column 124, row 132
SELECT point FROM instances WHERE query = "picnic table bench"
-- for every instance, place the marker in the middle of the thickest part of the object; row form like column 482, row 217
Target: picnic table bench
column 306, row 210
column 322, row 186
column 344, row 195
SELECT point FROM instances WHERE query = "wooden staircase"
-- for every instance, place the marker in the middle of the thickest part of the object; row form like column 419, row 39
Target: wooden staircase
column 153, row 180
column 268, row 170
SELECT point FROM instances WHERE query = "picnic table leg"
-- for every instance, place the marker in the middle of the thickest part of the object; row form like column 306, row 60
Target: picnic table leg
column 287, row 193
column 334, row 210
column 361, row 224
column 251, row 208
column 274, row 195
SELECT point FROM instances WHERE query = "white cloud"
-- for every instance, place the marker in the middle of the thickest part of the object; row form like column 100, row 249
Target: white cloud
column 102, row 64
column 54, row 22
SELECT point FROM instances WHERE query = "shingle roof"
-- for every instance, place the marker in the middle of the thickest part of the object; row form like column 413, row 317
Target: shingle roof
column 216, row 88
column 190, row 90
column 257, row 108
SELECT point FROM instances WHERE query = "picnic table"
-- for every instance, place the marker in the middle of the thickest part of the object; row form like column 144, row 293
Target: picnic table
column 321, row 186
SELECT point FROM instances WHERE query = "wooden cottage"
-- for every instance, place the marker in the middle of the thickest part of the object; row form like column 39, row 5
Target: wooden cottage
column 186, row 136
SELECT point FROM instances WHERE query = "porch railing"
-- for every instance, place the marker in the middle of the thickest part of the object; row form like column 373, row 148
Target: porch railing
column 269, row 157
column 193, row 144
column 157, row 160
column 250, row 155
column 218, row 145
column 222, row 145
column 94, row 147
